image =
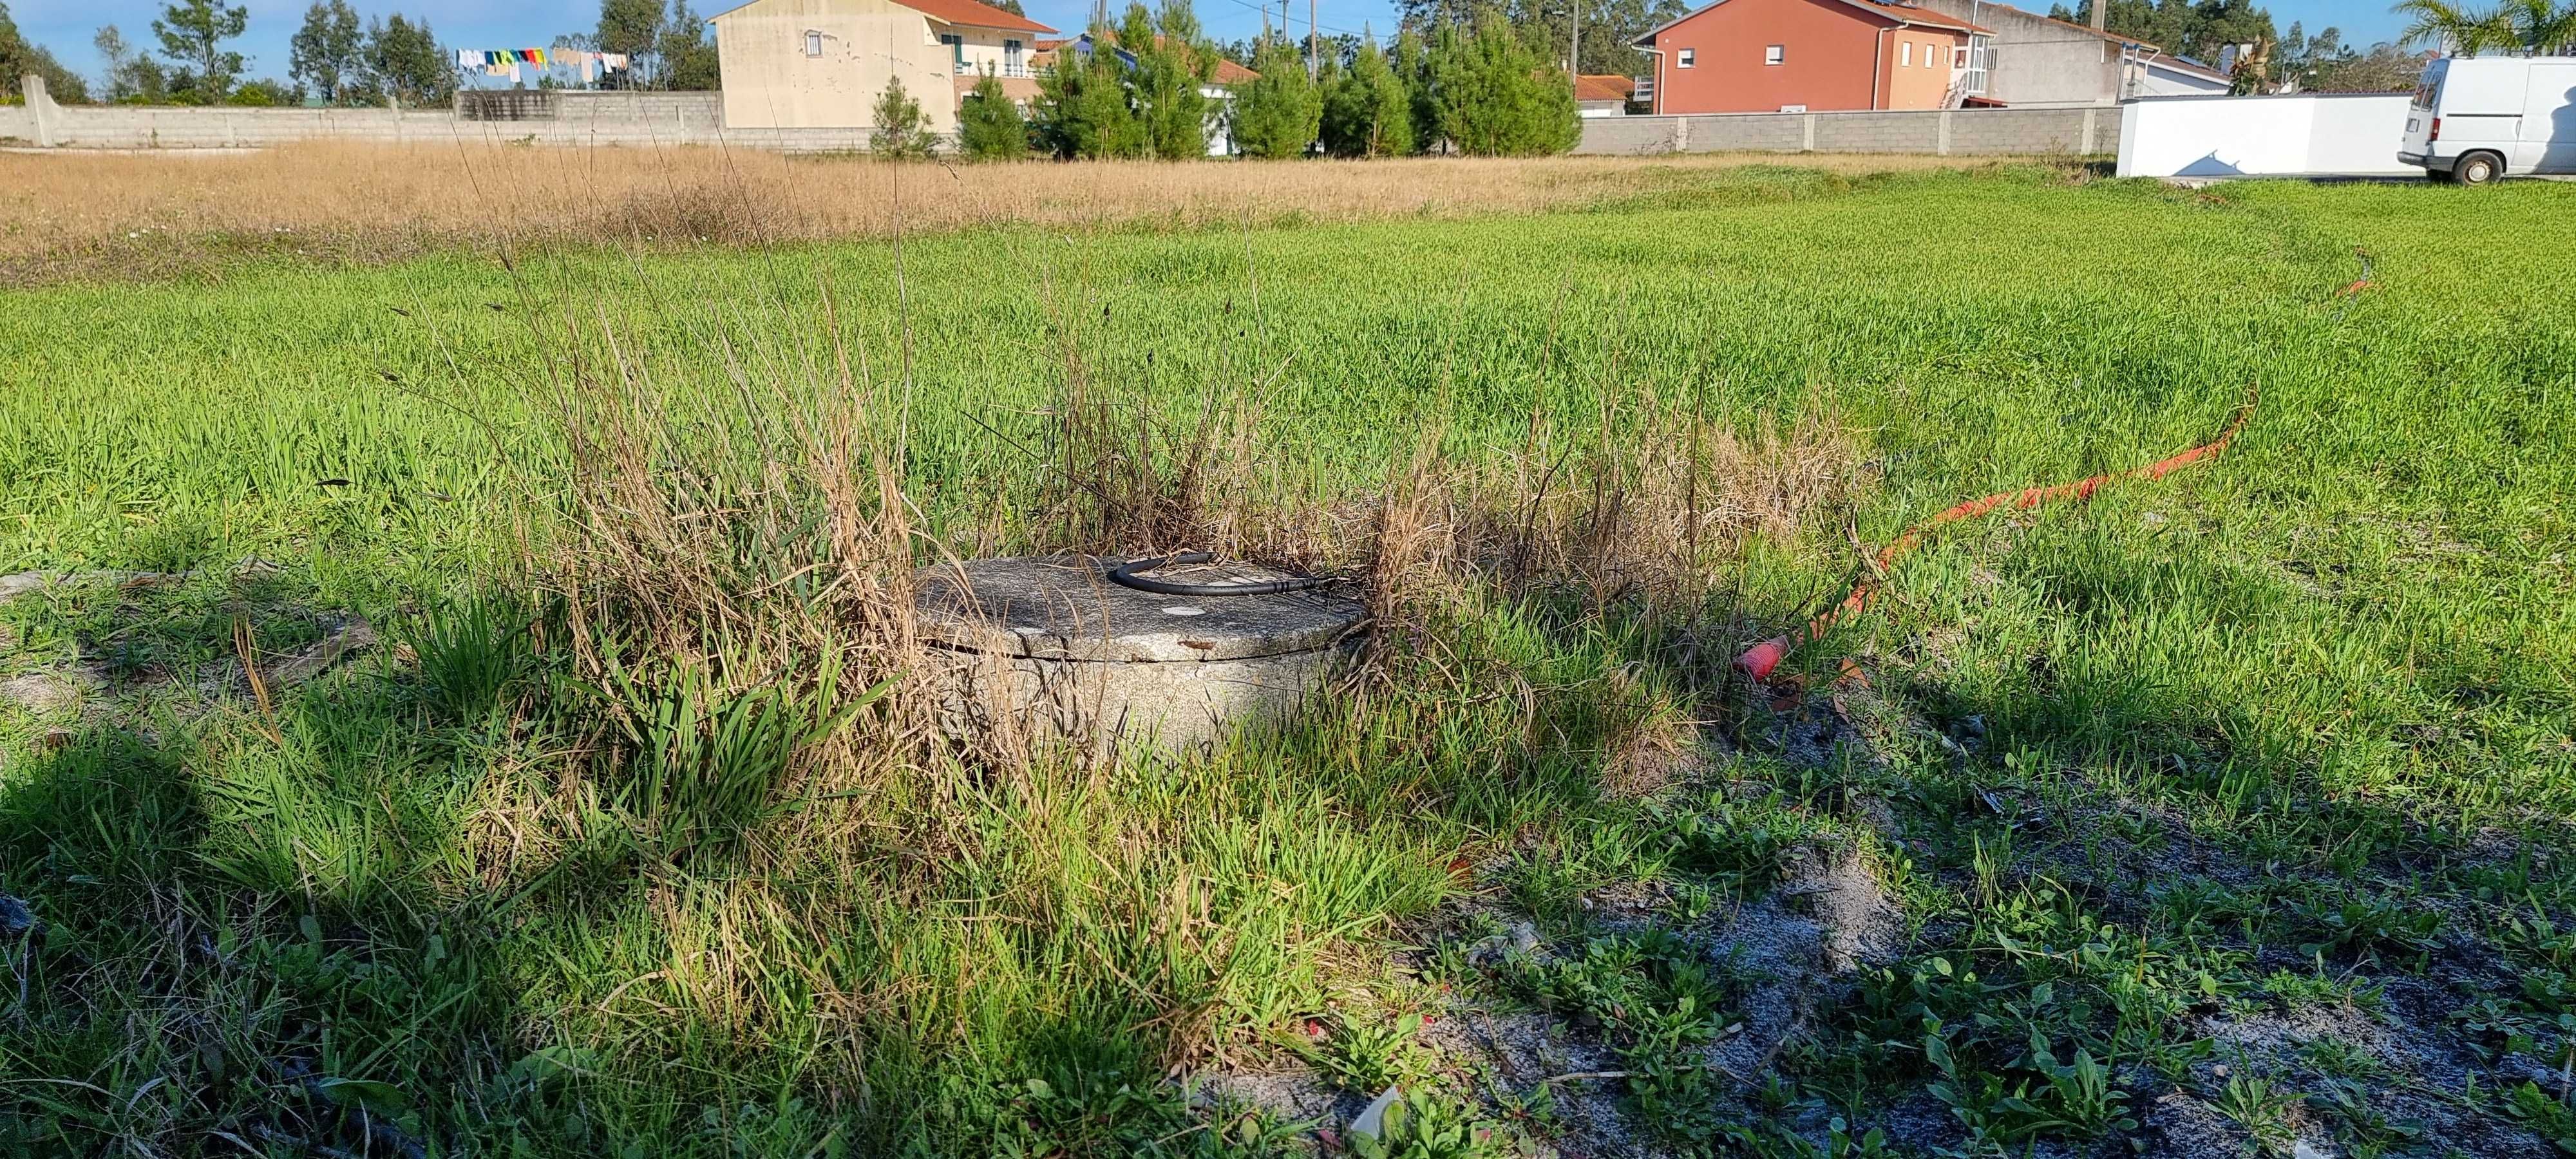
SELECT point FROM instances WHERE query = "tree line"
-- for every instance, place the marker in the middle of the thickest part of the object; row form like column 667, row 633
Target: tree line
column 1140, row 92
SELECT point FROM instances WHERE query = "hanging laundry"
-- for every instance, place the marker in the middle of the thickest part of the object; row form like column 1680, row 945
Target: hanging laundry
column 468, row 58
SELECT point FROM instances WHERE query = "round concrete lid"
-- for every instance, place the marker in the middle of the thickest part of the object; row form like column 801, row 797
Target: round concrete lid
column 1067, row 608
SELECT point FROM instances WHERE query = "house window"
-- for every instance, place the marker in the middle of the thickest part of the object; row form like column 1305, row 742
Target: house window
column 956, row 49
column 1959, row 56
column 1931, row 56
column 1775, row 54
column 1907, row 53
column 813, row 43
column 1012, row 62
column 1687, row 58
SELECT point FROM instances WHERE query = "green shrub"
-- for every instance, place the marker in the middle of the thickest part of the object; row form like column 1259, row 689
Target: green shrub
column 989, row 126
column 903, row 129
column 1497, row 98
column 263, row 93
column 471, row 651
column 1082, row 108
column 1368, row 109
column 1171, row 63
column 1278, row 114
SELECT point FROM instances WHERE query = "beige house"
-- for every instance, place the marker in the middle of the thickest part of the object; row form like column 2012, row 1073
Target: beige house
column 823, row 63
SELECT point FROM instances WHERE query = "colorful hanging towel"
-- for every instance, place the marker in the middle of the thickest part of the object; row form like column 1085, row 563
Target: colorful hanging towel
column 535, row 56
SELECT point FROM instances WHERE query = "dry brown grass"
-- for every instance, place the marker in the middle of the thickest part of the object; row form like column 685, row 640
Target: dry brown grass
column 73, row 214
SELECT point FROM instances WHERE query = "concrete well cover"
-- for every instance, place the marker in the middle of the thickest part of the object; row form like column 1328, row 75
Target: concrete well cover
column 1067, row 608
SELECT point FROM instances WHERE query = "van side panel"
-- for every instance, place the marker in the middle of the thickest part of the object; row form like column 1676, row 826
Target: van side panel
column 2549, row 119
column 2482, row 101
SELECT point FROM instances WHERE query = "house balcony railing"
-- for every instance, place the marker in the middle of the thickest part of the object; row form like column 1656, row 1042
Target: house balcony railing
column 1645, row 94
column 1020, row 71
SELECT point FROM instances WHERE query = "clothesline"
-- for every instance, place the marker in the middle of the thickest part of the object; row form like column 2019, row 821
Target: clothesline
column 506, row 61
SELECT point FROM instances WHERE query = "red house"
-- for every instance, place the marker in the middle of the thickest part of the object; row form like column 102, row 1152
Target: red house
column 1770, row 56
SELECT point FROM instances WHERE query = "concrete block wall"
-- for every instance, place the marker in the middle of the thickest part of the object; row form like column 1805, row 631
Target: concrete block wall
column 2036, row 130
column 586, row 119
column 679, row 110
column 1762, row 132
column 146, row 127
column 1887, row 132
column 1968, row 132
column 1628, row 135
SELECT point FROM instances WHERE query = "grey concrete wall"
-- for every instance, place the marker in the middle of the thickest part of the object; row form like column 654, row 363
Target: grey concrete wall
column 1882, row 132
column 1780, row 132
column 1621, row 135
column 17, row 125
column 2034, row 130
column 680, row 110
column 583, row 119
column 1959, row 131
column 2039, row 61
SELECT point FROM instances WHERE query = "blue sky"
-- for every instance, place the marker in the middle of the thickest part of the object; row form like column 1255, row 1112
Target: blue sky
column 67, row 25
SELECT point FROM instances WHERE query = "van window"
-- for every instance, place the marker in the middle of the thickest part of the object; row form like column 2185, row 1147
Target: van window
column 2428, row 95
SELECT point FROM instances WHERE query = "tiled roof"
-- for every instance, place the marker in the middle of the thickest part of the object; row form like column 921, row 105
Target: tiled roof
column 1917, row 14
column 974, row 14
column 1589, row 87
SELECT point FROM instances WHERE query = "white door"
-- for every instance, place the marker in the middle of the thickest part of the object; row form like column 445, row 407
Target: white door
column 2549, row 120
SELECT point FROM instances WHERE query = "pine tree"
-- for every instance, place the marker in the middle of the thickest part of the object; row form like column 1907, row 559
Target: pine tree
column 989, row 127
column 1171, row 64
column 1368, row 110
column 1499, row 99
column 1279, row 114
column 1412, row 65
column 193, row 34
column 902, row 129
column 1082, row 108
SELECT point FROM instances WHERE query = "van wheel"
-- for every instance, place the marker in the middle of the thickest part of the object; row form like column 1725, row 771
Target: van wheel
column 2478, row 169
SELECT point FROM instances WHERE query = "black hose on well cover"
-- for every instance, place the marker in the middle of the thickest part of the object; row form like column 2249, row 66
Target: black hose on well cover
column 1126, row 574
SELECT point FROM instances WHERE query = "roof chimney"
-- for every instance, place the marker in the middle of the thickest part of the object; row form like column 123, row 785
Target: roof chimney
column 2101, row 14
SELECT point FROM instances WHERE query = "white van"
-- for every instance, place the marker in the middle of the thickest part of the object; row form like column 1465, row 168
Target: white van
column 2478, row 118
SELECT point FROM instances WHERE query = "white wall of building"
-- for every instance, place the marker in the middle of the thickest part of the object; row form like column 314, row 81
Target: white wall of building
column 2268, row 136
column 2160, row 80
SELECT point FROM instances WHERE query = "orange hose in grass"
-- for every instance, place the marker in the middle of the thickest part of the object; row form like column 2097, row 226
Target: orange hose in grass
column 1761, row 659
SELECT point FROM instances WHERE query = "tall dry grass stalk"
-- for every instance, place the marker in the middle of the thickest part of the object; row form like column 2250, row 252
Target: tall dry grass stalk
column 1649, row 509
column 732, row 549
column 70, row 213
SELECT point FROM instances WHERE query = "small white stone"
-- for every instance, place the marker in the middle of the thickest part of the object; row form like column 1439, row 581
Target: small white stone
column 1372, row 1122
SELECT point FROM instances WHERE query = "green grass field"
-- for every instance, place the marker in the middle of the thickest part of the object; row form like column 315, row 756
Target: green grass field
column 2210, row 816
